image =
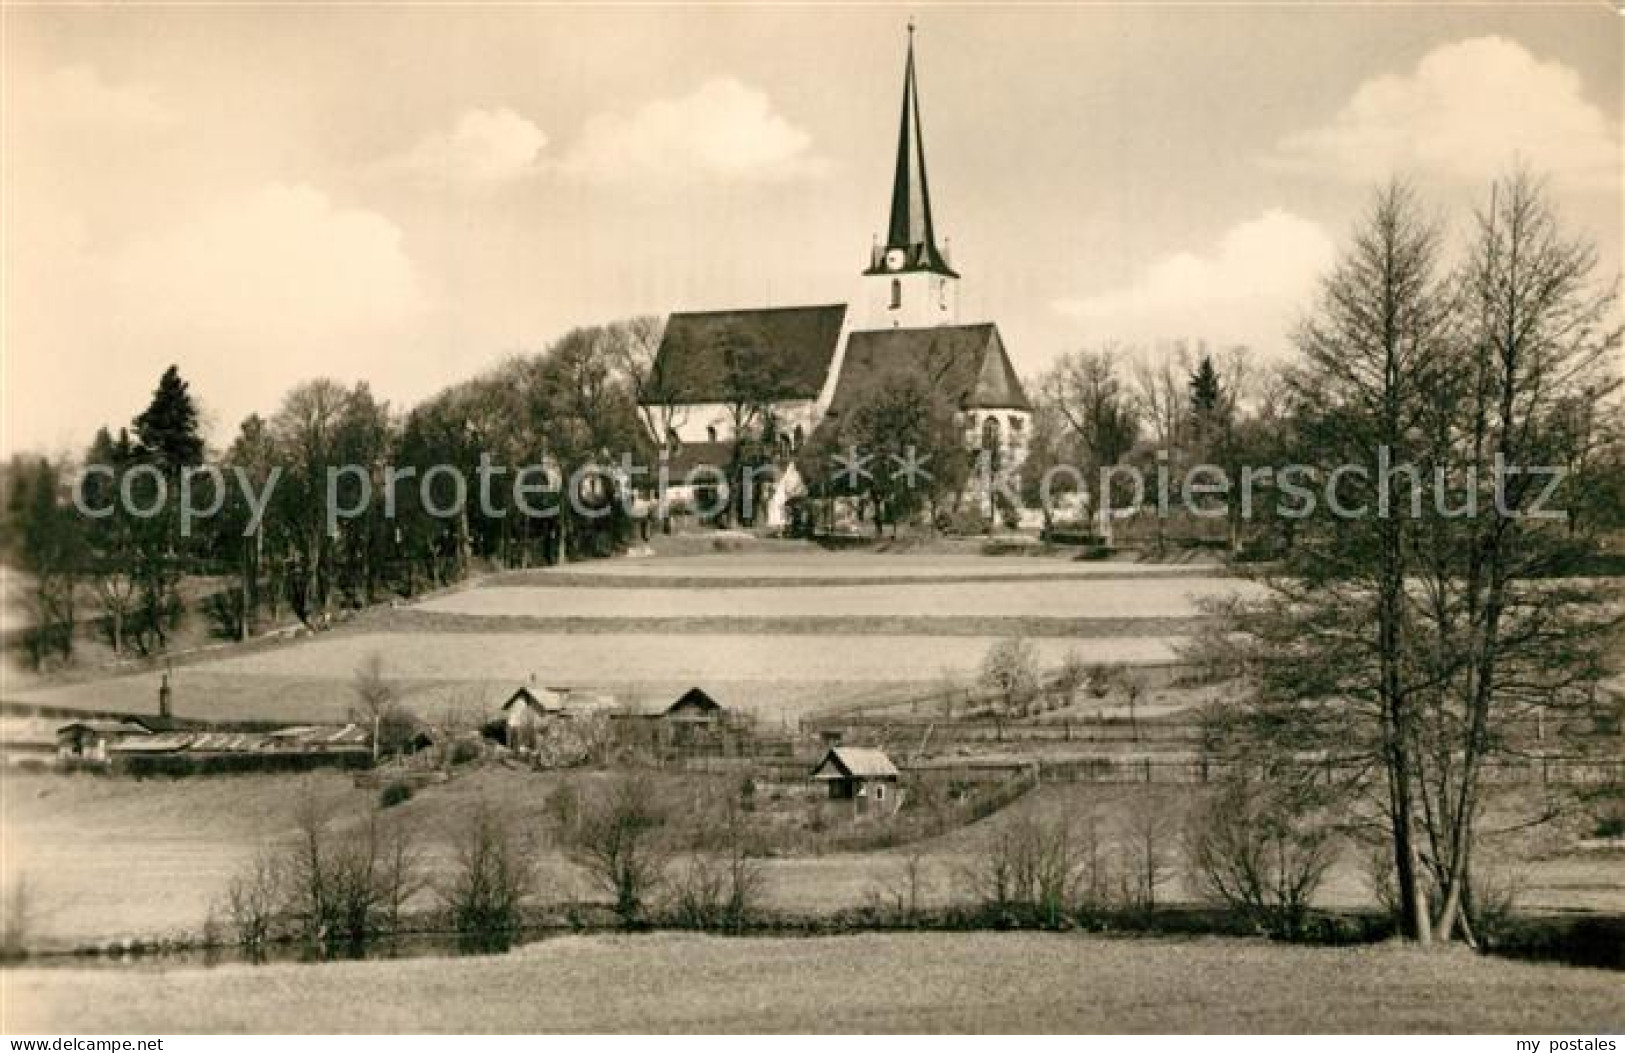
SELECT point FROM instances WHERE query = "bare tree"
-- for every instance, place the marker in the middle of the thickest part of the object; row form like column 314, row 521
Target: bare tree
column 1149, row 833
column 375, row 697
column 1087, row 392
column 254, row 897
column 1541, row 338
column 1262, row 850
column 620, row 841
column 493, row 873
column 1011, row 671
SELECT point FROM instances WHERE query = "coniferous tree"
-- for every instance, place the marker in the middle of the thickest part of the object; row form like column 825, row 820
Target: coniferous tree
column 167, row 430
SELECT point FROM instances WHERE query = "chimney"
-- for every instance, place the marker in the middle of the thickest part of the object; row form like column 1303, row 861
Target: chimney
column 164, row 696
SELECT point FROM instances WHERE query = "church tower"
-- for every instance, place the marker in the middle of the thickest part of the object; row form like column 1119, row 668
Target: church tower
column 910, row 284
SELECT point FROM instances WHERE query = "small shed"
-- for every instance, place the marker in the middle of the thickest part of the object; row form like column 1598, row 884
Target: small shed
column 90, row 740
column 694, row 707
column 527, row 709
column 857, row 773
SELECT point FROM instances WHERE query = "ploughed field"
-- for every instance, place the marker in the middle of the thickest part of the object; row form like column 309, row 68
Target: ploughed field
column 987, row 982
column 781, row 634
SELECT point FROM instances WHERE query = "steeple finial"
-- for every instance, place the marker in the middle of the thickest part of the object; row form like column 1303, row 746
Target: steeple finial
column 911, row 229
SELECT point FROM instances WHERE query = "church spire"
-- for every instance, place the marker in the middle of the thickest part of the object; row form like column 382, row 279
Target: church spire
column 911, row 242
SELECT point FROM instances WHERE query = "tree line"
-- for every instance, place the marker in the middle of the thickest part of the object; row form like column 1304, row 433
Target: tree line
column 572, row 406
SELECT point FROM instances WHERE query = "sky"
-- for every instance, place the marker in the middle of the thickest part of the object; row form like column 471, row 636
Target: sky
column 262, row 195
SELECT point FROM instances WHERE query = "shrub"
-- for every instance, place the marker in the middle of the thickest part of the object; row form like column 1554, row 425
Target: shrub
column 16, row 917
column 1029, row 872
column 394, row 793
column 1262, row 851
column 619, row 840
column 494, row 871
column 1011, row 671
column 253, row 899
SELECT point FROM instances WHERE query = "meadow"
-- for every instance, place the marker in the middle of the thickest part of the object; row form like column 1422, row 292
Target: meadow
column 1109, row 597
column 108, row 860
column 778, row 634
column 986, row 982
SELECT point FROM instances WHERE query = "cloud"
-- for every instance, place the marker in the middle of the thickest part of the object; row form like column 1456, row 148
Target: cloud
column 484, row 147
column 1467, row 111
column 1246, row 290
column 248, row 295
column 77, row 100
column 723, row 130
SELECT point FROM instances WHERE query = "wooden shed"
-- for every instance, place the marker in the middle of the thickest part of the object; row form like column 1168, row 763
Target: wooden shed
column 860, row 774
column 91, row 740
column 527, row 709
column 694, row 707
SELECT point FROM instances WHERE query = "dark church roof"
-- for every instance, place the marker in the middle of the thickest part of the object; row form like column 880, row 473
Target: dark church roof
column 910, row 229
column 966, row 362
column 791, row 345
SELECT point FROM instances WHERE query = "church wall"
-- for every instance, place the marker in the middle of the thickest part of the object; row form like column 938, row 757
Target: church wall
column 713, row 421
column 923, row 299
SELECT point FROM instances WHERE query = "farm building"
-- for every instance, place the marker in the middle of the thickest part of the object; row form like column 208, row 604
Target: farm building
column 859, row 774
column 93, row 740
column 530, row 711
column 527, row 710
column 695, row 717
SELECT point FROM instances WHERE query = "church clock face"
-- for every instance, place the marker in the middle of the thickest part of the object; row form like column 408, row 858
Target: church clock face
column 895, row 259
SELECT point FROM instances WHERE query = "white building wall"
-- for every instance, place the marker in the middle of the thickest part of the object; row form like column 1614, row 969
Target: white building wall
column 912, row 300
column 714, row 421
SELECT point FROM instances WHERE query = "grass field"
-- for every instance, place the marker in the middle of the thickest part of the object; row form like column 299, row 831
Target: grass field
column 793, row 562
column 774, row 674
column 847, row 624
column 993, row 983
column 110, row 859
column 1113, row 597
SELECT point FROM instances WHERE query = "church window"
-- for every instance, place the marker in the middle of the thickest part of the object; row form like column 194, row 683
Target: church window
column 801, row 437
column 990, row 433
column 1015, row 424
column 710, row 433
column 896, row 294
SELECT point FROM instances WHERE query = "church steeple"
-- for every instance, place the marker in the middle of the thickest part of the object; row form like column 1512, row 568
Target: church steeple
column 911, row 241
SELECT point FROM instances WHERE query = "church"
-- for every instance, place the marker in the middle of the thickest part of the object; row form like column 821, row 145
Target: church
column 778, row 373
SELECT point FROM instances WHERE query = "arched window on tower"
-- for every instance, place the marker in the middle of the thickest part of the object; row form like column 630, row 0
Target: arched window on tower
column 710, row 433
column 896, row 293
column 990, row 433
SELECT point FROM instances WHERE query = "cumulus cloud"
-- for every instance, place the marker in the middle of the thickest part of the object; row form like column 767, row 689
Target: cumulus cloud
column 282, row 258
column 1246, row 289
column 249, row 295
column 483, row 147
column 723, row 130
column 1465, row 112
column 76, row 99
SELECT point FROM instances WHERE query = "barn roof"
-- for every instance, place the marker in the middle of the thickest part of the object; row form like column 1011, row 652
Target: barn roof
column 104, row 727
column 694, row 701
column 967, row 363
column 553, row 703
column 158, row 723
column 855, row 762
column 791, row 347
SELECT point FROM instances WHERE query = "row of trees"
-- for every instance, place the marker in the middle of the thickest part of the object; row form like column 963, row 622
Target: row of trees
column 342, row 881
column 1417, row 637
column 318, row 549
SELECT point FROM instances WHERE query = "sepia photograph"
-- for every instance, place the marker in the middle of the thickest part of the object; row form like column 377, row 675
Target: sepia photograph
column 526, row 518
